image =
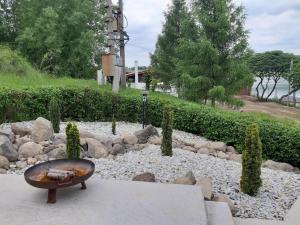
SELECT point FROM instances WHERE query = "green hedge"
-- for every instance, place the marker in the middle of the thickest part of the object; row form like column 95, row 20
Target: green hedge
column 280, row 139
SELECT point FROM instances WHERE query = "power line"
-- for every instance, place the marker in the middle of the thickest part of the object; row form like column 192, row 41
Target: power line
column 140, row 47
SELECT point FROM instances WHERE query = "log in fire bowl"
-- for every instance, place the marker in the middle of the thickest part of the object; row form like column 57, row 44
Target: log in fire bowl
column 57, row 174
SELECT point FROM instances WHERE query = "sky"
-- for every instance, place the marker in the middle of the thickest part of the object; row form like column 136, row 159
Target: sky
column 273, row 25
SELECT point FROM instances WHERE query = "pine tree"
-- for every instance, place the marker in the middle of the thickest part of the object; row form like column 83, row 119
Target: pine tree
column 251, row 162
column 167, row 130
column 179, row 24
column 73, row 141
column 54, row 112
column 222, row 24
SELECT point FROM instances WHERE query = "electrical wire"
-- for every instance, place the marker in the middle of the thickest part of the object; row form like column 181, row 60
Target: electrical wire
column 140, row 47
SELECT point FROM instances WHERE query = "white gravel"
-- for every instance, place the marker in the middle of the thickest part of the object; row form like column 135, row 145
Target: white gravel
column 280, row 189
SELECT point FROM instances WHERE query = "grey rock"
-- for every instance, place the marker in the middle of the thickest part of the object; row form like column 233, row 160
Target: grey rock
column 117, row 149
column 20, row 130
column 3, row 171
column 278, row 166
column 59, row 139
column 235, row 157
column 58, row 153
column 204, row 151
column 145, row 177
column 86, row 134
column 155, row 140
column 31, row 161
column 145, row 134
column 30, row 149
column 130, row 139
column 49, row 148
column 22, row 140
column 231, row 150
column 188, row 179
column 218, row 146
column 9, row 134
column 42, row 130
column 4, row 163
column 117, row 140
column 222, row 155
column 7, row 149
column 96, row 149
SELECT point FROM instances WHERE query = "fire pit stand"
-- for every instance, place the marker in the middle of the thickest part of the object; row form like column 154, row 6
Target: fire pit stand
column 37, row 175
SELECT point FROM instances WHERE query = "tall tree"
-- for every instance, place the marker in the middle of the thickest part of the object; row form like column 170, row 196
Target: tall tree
column 267, row 67
column 222, row 24
column 7, row 21
column 60, row 37
column 178, row 24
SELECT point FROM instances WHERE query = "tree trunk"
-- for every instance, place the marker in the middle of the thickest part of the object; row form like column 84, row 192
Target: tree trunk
column 273, row 89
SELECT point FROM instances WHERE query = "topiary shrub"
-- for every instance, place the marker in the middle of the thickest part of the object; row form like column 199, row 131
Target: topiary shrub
column 113, row 125
column 167, row 130
column 252, row 160
column 54, row 113
column 73, row 141
column 216, row 94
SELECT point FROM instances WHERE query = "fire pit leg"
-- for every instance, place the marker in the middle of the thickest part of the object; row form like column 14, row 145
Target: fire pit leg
column 83, row 185
column 51, row 196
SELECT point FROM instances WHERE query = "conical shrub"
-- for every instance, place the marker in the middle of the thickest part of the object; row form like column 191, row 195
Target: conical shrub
column 251, row 162
column 113, row 125
column 167, row 130
column 73, row 141
column 54, row 113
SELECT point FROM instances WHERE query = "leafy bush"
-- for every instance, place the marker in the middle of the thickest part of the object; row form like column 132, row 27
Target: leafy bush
column 167, row 129
column 217, row 94
column 73, row 141
column 54, row 113
column 252, row 160
column 12, row 62
column 280, row 138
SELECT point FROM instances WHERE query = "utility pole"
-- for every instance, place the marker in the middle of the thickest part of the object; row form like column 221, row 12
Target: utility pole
column 122, row 43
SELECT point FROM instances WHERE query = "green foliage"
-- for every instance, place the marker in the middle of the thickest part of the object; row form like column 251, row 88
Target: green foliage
column 73, row 141
column 113, row 125
column 11, row 62
column 167, row 130
column 217, row 94
column 59, row 37
column 154, row 84
column 54, row 113
column 280, row 138
column 269, row 66
column 235, row 103
column 179, row 24
column 252, row 160
column 148, row 80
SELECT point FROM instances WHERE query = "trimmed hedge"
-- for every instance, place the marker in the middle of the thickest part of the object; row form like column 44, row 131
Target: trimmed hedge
column 280, row 139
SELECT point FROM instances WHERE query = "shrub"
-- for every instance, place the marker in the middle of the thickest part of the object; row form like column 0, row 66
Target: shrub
column 252, row 160
column 148, row 80
column 216, row 94
column 113, row 125
column 167, row 129
column 154, row 84
column 280, row 138
column 73, row 141
column 54, row 113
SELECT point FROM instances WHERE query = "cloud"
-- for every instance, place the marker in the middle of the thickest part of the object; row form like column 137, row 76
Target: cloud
column 273, row 25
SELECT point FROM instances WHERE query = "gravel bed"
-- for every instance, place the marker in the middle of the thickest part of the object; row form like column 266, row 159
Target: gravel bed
column 279, row 192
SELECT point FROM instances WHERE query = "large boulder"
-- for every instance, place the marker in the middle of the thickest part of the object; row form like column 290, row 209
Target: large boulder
column 30, row 149
column 7, row 149
column 218, row 146
column 188, row 179
column 206, row 187
column 59, row 139
column 235, row 157
column 130, row 139
column 9, row 134
column 4, row 163
column 86, row 134
column 96, row 149
column 58, row 153
column 155, row 140
column 21, row 141
column 21, row 164
column 278, row 166
column 42, row 130
column 145, row 177
column 20, row 130
column 117, row 149
column 145, row 134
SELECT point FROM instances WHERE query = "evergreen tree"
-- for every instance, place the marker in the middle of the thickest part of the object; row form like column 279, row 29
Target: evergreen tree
column 178, row 24
column 252, row 160
column 167, row 130
column 73, row 141
column 222, row 24
column 54, row 112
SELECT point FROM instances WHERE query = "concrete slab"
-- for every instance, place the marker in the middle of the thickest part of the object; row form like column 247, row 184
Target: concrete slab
column 218, row 213
column 103, row 203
